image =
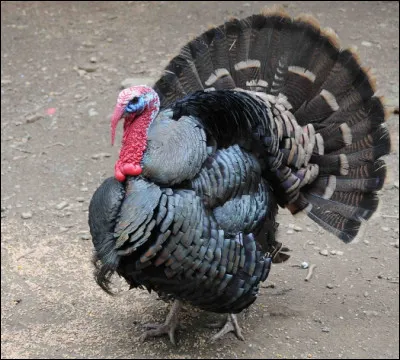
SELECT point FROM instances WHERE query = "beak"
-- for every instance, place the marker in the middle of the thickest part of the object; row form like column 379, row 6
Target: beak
column 117, row 116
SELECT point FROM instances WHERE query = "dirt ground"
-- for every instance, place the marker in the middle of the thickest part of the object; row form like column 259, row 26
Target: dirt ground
column 62, row 64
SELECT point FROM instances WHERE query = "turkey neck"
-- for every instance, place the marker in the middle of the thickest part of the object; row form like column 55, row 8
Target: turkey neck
column 134, row 140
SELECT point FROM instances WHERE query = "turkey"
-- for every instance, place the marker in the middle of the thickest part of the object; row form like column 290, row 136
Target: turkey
column 257, row 113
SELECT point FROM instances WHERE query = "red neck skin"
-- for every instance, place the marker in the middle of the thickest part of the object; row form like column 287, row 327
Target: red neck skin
column 134, row 143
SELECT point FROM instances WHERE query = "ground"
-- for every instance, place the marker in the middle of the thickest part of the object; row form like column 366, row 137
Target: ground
column 62, row 66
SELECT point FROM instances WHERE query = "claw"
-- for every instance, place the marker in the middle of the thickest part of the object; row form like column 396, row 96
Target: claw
column 231, row 325
column 169, row 327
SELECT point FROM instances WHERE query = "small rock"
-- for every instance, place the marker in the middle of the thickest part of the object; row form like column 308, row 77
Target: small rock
column 84, row 237
column 93, row 59
column 109, row 39
column 366, row 294
column 81, row 72
column 26, row 215
column 340, row 253
column 366, row 242
column 61, row 205
column 329, row 286
column 63, row 229
column 5, row 81
column 324, row 252
column 326, row 329
column 385, row 228
column 295, row 227
column 88, row 68
column 304, row 265
column 333, row 252
column 366, row 43
column 101, row 155
column 396, row 184
column 290, row 232
column 84, row 189
column 370, row 312
column 80, row 199
column 92, row 112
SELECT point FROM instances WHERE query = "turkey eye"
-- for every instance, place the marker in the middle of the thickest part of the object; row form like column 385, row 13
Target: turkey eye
column 135, row 100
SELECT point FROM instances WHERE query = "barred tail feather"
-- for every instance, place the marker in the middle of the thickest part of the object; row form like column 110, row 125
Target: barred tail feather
column 334, row 144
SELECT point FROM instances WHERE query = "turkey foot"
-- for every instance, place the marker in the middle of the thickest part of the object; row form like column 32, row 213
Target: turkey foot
column 169, row 327
column 231, row 324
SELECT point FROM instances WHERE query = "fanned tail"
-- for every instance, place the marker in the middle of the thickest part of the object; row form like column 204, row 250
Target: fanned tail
column 330, row 165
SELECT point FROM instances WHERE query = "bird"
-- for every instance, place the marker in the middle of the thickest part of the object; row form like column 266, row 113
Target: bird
column 253, row 115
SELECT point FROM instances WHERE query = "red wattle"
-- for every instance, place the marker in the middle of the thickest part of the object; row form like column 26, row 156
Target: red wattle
column 130, row 169
column 118, row 174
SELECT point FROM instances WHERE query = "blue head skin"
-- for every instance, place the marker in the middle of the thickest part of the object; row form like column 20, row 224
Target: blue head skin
column 136, row 105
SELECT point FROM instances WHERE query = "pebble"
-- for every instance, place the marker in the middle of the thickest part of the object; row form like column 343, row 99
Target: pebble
column 385, row 228
column 26, row 215
column 370, row 312
column 366, row 294
column 93, row 59
column 366, row 242
column 324, row 252
column 326, row 329
column 6, row 81
column 61, row 205
column 92, row 112
column 329, row 286
column 80, row 199
column 88, row 68
column 84, row 189
column 290, row 232
column 366, row 43
column 333, row 252
column 304, row 265
column 101, row 155
column 295, row 227
column 340, row 253
column 84, row 237
column 63, row 229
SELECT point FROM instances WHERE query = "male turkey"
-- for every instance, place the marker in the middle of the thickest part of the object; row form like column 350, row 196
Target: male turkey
column 252, row 114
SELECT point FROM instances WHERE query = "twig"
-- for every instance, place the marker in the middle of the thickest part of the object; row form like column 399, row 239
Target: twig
column 390, row 216
column 55, row 144
column 22, row 150
column 310, row 272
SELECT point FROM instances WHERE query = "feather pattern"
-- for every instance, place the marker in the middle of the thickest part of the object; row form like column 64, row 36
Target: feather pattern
column 256, row 112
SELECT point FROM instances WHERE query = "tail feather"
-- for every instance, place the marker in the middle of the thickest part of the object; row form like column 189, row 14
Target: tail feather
column 335, row 153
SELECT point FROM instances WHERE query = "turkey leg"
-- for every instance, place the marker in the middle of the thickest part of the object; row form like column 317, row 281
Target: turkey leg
column 169, row 327
column 231, row 324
